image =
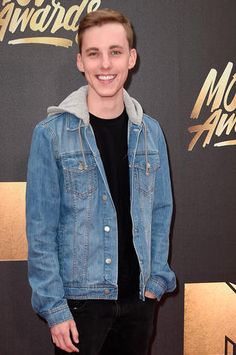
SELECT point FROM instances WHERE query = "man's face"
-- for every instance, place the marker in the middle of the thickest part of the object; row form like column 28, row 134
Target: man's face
column 105, row 59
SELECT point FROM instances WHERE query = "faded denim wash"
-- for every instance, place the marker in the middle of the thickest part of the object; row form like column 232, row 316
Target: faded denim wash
column 71, row 218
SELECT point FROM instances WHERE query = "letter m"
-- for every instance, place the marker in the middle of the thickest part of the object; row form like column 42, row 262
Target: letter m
column 214, row 91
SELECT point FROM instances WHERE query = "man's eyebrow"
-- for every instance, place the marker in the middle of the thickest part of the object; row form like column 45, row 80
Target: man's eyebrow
column 116, row 46
column 97, row 49
column 91, row 49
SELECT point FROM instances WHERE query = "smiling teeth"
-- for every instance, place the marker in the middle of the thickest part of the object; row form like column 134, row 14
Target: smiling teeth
column 106, row 77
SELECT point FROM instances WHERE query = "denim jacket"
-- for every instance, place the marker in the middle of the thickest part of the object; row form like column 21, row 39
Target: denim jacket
column 71, row 218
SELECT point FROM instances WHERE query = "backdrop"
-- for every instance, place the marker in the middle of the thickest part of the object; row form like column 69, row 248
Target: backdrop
column 186, row 79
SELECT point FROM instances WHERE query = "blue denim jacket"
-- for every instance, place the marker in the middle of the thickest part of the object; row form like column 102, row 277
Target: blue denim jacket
column 71, row 218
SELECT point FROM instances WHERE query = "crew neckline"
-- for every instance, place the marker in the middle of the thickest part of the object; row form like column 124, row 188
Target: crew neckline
column 107, row 121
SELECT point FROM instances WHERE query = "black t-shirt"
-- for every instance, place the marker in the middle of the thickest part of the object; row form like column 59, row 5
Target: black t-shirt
column 111, row 138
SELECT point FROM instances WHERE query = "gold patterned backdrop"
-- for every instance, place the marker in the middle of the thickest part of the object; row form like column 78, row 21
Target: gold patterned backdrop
column 210, row 319
column 13, row 245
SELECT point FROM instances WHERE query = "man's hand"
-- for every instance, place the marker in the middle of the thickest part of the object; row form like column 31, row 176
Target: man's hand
column 61, row 335
column 149, row 294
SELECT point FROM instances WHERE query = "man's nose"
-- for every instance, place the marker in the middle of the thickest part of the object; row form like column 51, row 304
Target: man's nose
column 105, row 61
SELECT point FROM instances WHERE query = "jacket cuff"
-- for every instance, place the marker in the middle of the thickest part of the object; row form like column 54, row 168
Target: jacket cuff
column 156, row 286
column 57, row 315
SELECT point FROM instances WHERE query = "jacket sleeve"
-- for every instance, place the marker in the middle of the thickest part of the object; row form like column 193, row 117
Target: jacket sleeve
column 162, row 277
column 42, row 217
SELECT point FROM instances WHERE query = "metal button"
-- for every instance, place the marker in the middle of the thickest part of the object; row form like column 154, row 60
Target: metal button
column 104, row 197
column 81, row 166
column 108, row 261
column 107, row 229
column 106, row 291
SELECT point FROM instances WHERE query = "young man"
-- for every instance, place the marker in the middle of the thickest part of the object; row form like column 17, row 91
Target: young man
column 99, row 205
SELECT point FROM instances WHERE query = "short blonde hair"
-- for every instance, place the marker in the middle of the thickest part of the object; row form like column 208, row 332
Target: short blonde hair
column 102, row 17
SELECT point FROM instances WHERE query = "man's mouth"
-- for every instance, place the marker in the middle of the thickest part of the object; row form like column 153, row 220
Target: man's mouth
column 106, row 77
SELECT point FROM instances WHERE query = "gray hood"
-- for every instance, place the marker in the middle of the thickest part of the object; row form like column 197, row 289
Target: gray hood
column 76, row 103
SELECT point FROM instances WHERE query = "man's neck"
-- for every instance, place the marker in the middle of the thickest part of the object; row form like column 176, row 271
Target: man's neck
column 105, row 107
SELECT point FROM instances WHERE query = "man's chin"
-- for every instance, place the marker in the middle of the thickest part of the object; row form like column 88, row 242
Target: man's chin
column 108, row 93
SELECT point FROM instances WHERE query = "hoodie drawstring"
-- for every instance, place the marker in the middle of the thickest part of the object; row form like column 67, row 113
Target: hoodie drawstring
column 148, row 165
column 83, row 166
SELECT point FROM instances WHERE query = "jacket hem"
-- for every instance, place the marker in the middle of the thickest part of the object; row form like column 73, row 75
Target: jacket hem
column 106, row 292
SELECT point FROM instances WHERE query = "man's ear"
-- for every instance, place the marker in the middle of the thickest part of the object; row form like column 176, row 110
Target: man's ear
column 132, row 58
column 79, row 63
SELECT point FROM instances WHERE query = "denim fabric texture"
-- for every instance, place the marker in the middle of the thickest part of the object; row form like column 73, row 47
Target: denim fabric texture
column 71, row 218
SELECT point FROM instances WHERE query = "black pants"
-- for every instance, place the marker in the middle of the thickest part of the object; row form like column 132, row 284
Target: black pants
column 113, row 327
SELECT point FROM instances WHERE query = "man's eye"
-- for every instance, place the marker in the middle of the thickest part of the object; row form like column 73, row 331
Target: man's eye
column 92, row 54
column 116, row 52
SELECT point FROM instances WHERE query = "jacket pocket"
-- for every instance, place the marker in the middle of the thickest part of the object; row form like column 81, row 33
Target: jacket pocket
column 80, row 177
column 145, row 172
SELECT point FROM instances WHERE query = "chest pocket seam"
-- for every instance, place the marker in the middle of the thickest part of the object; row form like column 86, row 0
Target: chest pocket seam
column 80, row 180
column 144, row 182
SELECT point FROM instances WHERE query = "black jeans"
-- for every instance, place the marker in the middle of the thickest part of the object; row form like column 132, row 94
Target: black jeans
column 113, row 327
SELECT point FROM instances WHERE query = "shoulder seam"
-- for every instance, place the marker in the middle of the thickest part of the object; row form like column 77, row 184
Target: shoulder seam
column 152, row 119
column 50, row 118
column 51, row 134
